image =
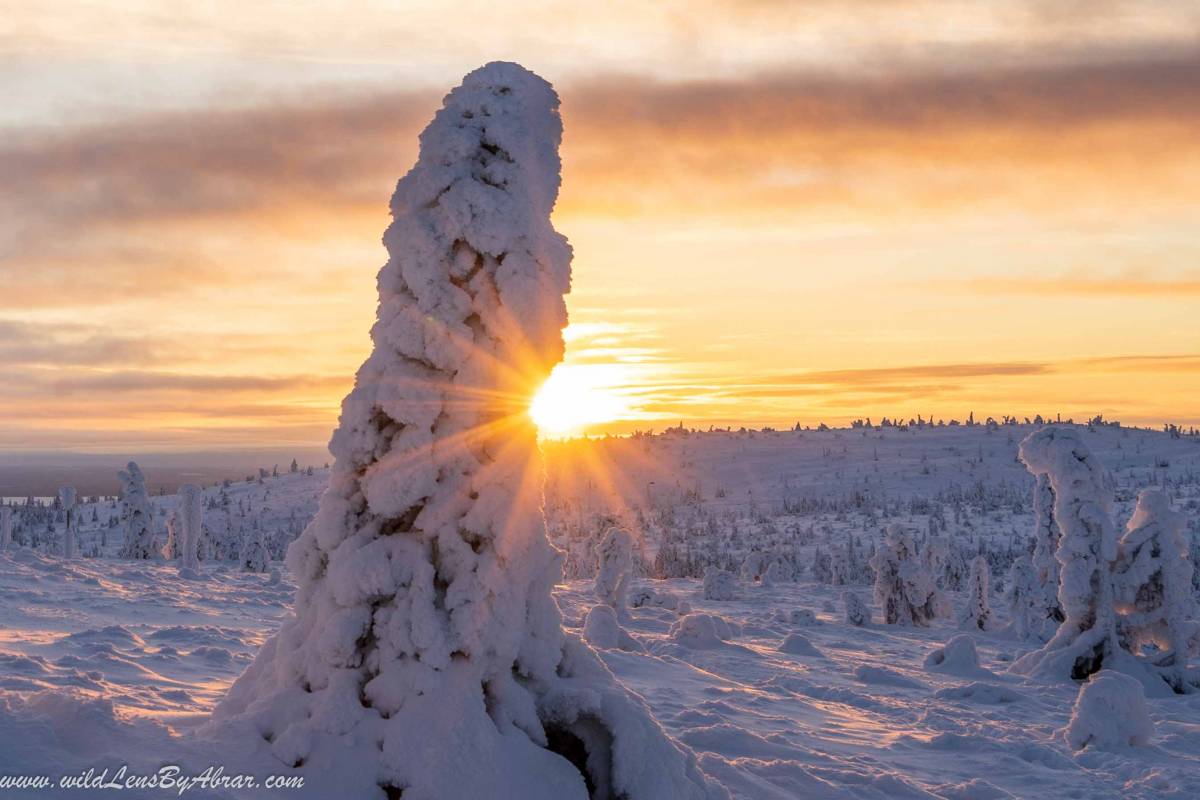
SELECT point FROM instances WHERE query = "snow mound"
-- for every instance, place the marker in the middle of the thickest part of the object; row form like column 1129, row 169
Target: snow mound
column 957, row 657
column 699, row 631
column 882, row 676
column 602, row 629
column 984, row 693
column 798, row 645
column 1110, row 712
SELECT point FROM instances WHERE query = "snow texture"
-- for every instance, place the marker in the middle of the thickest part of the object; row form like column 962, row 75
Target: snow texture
column 1083, row 497
column 137, row 513
column 426, row 654
column 1110, row 712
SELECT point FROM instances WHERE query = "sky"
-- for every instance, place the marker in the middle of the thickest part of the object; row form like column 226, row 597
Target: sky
column 781, row 212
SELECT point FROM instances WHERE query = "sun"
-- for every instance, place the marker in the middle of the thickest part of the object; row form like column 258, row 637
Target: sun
column 574, row 397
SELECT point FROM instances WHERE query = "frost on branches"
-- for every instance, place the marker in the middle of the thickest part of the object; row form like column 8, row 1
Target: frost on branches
column 904, row 587
column 190, row 521
column 426, row 656
column 977, row 610
column 1086, row 641
column 1152, row 582
column 137, row 513
column 616, row 562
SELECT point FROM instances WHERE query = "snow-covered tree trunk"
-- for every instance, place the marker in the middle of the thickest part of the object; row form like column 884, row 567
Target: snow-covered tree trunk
column 66, row 496
column 977, row 610
column 1086, row 641
column 6, row 528
column 615, row 555
column 1152, row 581
column 426, row 655
column 904, row 588
column 191, row 519
column 174, row 547
column 138, row 514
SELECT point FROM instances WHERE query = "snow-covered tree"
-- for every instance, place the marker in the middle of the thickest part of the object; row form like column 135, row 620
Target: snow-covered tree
column 191, row 520
column 615, row 555
column 976, row 613
column 858, row 613
column 904, row 589
column 66, row 497
column 778, row 572
column 6, row 527
column 1026, row 601
column 1152, row 581
column 719, row 584
column 1086, row 641
column 255, row 556
column 426, row 654
column 1046, row 534
column 754, row 566
column 174, row 545
column 137, row 513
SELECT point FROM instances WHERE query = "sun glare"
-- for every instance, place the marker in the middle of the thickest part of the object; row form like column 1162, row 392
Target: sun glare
column 574, row 397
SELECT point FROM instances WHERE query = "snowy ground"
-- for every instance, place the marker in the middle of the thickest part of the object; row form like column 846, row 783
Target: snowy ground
column 106, row 662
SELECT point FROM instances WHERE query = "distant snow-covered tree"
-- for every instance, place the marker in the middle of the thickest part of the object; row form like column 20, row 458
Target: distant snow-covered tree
column 174, row 545
column 1086, row 641
column 1025, row 599
column 191, row 518
column 6, row 527
column 426, row 655
column 904, row 589
column 615, row 556
column 137, row 513
column 719, row 584
column 858, row 613
column 976, row 613
column 66, row 496
column 255, row 556
column 1153, row 590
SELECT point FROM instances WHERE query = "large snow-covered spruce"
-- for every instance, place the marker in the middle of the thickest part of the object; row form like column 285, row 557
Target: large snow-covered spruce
column 137, row 513
column 1086, row 641
column 426, row 656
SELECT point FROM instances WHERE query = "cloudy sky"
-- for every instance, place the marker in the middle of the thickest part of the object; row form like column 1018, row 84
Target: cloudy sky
column 780, row 211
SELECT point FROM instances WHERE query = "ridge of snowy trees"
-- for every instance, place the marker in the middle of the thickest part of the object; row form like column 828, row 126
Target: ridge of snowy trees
column 426, row 654
column 1116, row 598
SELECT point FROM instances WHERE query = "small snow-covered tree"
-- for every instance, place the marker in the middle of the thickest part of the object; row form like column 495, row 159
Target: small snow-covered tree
column 976, row 613
column 6, row 527
column 1026, row 601
column 1152, row 581
column 137, row 513
column 174, row 545
column 778, row 572
column 66, row 496
column 426, row 654
column 191, row 519
column 255, row 556
column 904, row 589
column 858, row 613
column 1086, row 641
column 719, row 584
column 615, row 556
column 754, row 566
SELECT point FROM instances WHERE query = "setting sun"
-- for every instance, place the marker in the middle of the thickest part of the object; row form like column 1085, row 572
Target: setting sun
column 576, row 396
